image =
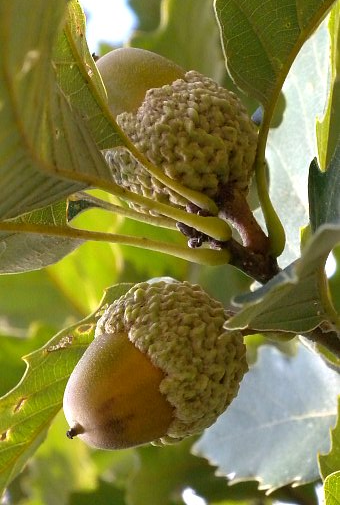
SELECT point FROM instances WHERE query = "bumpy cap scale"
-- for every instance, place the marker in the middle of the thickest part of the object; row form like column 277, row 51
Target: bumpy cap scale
column 179, row 329
column 198, row 132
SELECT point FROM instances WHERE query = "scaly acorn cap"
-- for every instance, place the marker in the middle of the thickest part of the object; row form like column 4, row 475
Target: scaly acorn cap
column 199, row 133
column 198, row 366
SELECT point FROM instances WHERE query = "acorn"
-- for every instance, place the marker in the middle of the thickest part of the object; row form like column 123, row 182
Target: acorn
column 197, row 132
column 160, row 368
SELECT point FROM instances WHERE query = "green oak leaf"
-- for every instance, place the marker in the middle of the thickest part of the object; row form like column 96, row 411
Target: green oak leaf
column 328, row 127
column 280, row 419
column 332, row 489
column 48, row 148
column 80, row 81
column 261, row 40
column 296, row 300
column 27, row 411
column 329, row 463
column 20, row 252
column 324, row 191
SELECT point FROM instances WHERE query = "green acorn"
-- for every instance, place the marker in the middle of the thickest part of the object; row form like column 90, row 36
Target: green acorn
column 161, row 368
column 197, row 132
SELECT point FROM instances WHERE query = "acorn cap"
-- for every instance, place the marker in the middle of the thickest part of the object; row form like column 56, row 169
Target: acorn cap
column 198, row 132
column 180, row 328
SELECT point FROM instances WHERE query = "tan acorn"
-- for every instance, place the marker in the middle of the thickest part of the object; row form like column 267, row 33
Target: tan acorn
column 161, row 368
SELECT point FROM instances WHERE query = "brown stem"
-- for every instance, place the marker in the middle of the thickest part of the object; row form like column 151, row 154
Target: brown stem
column 233, row 207
column 261, row 267
column 328, row 339
column 253, row 255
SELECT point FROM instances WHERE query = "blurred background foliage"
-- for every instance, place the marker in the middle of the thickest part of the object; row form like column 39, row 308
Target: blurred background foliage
column 34, row 305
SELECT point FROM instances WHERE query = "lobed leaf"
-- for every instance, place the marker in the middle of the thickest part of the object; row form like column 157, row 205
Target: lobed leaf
column 280, row 419
column 329, row 463
column 27, row 411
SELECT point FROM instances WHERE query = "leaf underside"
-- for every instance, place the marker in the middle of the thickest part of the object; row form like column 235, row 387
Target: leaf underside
column 277, row 422
column 48, row 135
column 293, row 300
column 261, row 40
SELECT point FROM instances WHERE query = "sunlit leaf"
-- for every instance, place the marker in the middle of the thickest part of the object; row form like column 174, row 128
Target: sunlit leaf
column 332, row 489
column 328, row 128
column 44, row 140
column 273, row 430
column 79, row 79
column 27, row 411
column 330, row 462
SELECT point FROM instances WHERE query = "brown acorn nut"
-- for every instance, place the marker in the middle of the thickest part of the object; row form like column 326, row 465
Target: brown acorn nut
column 161, row 367
column 112, row 392
column 199, row 133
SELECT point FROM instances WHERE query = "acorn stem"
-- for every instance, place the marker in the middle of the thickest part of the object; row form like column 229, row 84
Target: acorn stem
column 259, row 266
column 254, row 256
column 75, row 430
column 202, row 256
column 235, row 208
column 212, row 226
column 94, row 202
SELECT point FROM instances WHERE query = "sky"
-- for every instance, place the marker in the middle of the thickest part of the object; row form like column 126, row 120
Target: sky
column 108, row 21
